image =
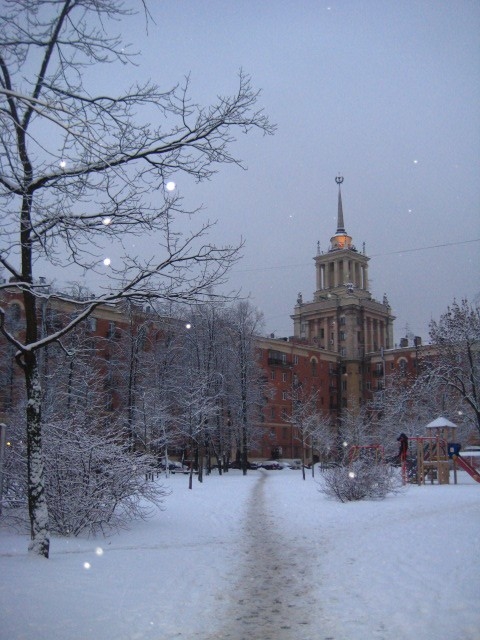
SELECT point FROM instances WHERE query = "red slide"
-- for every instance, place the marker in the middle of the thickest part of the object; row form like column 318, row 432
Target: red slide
column 467, row 467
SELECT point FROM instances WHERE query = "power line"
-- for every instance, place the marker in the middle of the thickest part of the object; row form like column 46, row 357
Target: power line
column 433, row 246
column 374, row 255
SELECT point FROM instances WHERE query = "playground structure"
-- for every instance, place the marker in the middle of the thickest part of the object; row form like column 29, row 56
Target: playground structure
column 422, row 458
column 458, row 460
column 372, row 452
column 430, row 456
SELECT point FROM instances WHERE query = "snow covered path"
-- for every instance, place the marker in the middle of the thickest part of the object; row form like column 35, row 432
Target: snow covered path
column 273, row 597
column 260, row 557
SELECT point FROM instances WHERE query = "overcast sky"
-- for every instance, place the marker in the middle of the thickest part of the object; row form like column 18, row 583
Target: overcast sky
column 385, row 93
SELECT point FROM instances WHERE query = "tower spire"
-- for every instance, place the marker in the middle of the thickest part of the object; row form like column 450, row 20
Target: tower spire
column 340, row 222
column 341, row 240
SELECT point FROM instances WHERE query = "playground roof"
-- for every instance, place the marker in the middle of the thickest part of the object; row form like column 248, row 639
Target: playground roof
column 440, row 422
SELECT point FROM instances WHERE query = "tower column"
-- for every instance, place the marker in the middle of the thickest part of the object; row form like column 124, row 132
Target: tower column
column 365, row 277
column 371, row 336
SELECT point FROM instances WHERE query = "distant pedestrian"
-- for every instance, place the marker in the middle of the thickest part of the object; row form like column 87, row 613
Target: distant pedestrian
column 403, row 446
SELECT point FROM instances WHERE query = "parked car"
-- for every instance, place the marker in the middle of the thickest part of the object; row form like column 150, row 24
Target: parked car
column 238, row 465
column 272, row 465
column 174, row 467
column 295, row 464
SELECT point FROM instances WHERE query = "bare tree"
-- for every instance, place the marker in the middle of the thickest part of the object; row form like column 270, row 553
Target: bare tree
column 152, row 402
column 408, row 406
column 247, row 387
column 196, row 408
column 79, row 170
column 454, row 361
column 305, row 416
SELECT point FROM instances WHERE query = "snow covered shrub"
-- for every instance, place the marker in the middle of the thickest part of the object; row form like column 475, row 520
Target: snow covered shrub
column 93, row 482
column 14, row 496
column 360, row 480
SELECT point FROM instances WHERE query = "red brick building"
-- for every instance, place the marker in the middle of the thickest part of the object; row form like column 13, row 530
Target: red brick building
column 290, row 365
column 341, row 350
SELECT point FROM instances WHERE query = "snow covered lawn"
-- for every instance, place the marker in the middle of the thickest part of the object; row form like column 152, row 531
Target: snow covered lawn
column 261, row 557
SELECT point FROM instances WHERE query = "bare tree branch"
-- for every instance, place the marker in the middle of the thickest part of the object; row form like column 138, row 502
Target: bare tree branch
column 80, row 170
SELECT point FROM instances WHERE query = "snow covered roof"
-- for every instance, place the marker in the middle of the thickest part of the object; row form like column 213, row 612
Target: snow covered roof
column 440, row 422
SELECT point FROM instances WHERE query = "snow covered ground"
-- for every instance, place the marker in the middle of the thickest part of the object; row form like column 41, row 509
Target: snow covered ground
column 263, row 557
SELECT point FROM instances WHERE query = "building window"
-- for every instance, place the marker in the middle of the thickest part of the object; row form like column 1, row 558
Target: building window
column 313, row 363
column 402, row 365
column 344, row 385
column 342, row 335
column 112, row 330
column 342, row 320
column 284, row 377
column 14, row 312
column 295, row 359
column 284, row 395
column 284, row 413
column 92, row 324
column 272, row 374
column 343, row 352
column 272, row 413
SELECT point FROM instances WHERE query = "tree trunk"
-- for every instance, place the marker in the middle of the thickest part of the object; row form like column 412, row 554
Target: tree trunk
column 201, row 459
column 303, row 456
column 37, row 504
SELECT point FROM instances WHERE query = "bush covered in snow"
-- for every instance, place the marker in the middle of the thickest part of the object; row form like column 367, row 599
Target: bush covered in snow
column 93, row 482
column 360, row 480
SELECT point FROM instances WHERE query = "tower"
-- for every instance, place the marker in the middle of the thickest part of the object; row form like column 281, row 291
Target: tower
column 343, row 317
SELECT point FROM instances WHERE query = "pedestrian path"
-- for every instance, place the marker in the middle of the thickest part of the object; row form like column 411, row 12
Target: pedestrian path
column 272, row 596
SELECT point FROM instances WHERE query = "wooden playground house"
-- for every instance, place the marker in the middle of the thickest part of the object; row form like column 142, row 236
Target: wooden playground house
column 432, row 452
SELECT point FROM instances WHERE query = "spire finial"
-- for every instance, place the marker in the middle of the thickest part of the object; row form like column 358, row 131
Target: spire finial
column 340, row 222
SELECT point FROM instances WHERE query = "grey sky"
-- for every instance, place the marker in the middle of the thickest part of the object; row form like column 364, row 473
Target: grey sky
column 384, row 92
